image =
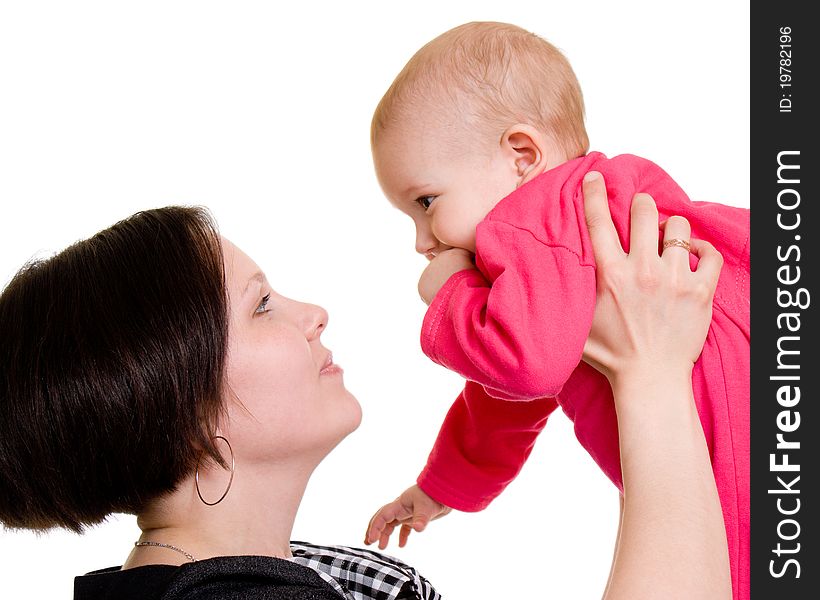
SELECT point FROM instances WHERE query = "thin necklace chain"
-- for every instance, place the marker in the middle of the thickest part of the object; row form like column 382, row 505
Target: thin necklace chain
column 169, row 546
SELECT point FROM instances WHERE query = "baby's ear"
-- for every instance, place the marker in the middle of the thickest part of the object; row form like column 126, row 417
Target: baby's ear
column 529, row 150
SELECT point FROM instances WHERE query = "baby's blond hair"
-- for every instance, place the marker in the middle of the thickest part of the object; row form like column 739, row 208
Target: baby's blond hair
column 493, row 75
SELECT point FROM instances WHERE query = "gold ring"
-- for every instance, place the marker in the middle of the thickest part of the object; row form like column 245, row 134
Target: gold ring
column 677, row 242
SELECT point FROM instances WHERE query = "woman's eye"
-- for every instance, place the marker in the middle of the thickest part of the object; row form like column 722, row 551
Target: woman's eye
column 425, row 201
column 263, row 305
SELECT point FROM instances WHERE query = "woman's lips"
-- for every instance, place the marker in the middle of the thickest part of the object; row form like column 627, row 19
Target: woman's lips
column 330, row 368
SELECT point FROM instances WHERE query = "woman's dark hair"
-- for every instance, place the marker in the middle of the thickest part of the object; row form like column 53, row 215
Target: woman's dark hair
column 112, row 359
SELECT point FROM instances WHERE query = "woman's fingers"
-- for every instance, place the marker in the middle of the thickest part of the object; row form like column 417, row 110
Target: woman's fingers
column 643, row 228
column 602, row 233
column 710, row 261
column 676, row 232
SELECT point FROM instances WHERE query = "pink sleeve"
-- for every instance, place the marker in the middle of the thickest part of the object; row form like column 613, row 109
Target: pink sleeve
column 518, row 326
column 482, row 445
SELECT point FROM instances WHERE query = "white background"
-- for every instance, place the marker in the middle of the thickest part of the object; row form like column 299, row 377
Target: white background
column 261, row 112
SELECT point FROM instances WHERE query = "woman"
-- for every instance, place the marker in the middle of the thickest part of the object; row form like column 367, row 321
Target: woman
column 203, row 408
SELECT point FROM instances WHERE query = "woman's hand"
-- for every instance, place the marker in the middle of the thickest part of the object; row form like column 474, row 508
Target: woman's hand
column 647, row 306
column 651, row 318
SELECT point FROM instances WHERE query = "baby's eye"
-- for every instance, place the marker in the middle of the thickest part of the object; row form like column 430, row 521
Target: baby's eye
column 425, row 201
column 263, row 305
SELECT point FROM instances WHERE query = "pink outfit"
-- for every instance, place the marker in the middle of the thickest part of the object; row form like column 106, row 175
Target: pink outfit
column 515, row 329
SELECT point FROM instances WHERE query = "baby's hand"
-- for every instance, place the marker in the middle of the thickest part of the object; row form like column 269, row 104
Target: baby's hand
column 412, row 510
column 440, row 269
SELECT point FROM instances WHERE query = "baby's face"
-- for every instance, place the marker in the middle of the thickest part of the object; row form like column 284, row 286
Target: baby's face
column 444, row 188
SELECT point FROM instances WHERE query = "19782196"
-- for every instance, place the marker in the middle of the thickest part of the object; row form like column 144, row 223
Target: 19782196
column 785, row 68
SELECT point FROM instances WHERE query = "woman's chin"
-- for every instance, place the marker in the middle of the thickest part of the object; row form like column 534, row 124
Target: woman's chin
column 345, row 426
column 342, row 418
column 355, row 415
column 358, row 416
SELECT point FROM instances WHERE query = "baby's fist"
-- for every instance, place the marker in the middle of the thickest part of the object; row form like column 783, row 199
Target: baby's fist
column 440, row 269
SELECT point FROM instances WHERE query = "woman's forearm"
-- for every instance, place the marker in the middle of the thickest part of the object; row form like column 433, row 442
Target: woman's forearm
column 673, row 541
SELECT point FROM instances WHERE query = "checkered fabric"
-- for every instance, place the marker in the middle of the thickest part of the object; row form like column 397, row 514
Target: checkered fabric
column 359, row 574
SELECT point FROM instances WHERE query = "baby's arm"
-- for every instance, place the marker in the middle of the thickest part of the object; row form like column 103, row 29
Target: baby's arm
column 482, row 445
column 518, row 324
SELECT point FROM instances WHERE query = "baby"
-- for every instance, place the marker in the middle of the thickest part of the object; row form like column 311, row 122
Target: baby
column 481, row 141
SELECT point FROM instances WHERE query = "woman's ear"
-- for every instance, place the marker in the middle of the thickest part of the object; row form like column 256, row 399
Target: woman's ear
column 528, row 151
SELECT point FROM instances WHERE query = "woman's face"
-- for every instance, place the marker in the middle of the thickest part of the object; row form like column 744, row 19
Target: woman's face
column 286, row 398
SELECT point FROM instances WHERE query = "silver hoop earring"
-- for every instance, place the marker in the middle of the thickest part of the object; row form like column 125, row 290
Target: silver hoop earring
column 233, row 466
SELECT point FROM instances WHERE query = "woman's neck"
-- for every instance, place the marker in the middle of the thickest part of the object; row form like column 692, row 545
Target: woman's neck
column 255, row 517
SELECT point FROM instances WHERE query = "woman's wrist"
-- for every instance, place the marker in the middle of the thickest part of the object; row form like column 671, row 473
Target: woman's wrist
column 672, row 537
column 655, row 407
column 636, row 380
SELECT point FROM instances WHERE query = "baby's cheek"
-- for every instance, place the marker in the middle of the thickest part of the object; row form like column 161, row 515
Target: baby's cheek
column 456, row 232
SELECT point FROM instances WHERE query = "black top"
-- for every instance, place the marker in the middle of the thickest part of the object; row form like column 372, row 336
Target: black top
column 314, row 572
column 234, row 577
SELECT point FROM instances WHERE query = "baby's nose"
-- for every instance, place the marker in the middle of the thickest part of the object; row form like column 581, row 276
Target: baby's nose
column 434, row 251
column 427, row 245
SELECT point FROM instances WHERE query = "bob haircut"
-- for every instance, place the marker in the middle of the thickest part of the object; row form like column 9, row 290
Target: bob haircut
column 111, row 370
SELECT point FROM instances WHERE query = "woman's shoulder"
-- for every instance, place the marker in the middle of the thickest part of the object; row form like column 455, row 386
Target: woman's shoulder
column 315, row 573
column 361, row 574
column 237, row 577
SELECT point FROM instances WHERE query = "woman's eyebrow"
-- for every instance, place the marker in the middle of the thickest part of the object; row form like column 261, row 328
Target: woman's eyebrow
column 258, row 276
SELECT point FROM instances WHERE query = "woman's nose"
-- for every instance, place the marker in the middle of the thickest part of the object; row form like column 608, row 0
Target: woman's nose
column 314, row 320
